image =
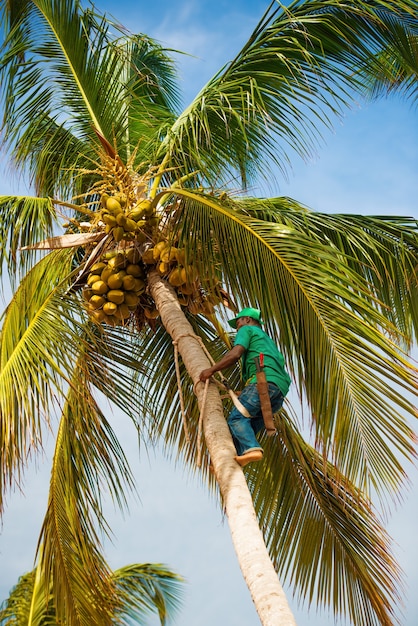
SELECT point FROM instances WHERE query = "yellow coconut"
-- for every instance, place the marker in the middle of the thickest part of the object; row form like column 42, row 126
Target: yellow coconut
column 113, row 205
column 128, row 283
column 134, row 270
column 103, row 200
column 168, row 254
column 98, row 316
column 131, row 299
column 158, row 248
column 191, row 273
column 98, row 267
column 118, row 233
column 87, row 294
column 136, row 214
column 106, row 273
column 97, row 301
column 116, row 295
column 121, row 198
column 175, row 277
column 99, row 287
column 122, row 312
column 130, row 225
column 146, row 206
column 115, row 281
column 109, row 219
column 121, row 219
column 139, row 286
column 109, row 308
column 163, row 268
column 148, row 257
column 118, row 261
column 181, row 256
column 92, row 278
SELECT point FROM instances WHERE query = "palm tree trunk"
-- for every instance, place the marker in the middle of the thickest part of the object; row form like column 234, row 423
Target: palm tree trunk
column 256, row 566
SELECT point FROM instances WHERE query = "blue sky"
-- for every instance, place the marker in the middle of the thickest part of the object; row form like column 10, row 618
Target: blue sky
column 367, row 165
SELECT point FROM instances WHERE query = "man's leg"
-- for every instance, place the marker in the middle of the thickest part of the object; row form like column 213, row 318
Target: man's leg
column 242, row 428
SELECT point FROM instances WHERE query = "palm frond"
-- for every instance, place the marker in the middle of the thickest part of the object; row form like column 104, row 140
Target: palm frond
column 322, row 533
column 24, row 220
column 33, row 367
column 396, row 67
column 58, row 162
column 35, row 371
column 87, row 458
column 294, row 75
column 15, row 609
column 29, row 602
column 146, row 588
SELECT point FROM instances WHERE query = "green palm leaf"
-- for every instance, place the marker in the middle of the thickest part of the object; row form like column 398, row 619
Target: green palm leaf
column 294, row 74
column 33, row 368
column 323, row 534
column 396, row 67
column 142, row 589
column 87, row 457
column 146, row 587
column 23, row 221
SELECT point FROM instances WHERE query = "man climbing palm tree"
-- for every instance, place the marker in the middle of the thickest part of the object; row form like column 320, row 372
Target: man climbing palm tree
column 247, row 420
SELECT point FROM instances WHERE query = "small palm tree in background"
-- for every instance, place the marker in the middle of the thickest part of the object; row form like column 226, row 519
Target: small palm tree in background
column 141, row 589
column 149, row 244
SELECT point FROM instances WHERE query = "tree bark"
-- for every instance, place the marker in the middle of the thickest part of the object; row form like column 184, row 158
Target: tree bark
column 255, row 563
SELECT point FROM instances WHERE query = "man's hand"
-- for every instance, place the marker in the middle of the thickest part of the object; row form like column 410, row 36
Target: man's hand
column 229, row 359
column 205, row 374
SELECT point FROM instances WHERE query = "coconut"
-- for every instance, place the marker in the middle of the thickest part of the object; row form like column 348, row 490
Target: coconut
column 168, row 254
column 109, row 308
column 122, row 312
column 158, row 248
column 115, row 280
column 97, row 301
column 92, row 278
column 113, row 205
column 118, row 233
column 148, row 257
column 133, row 255
column 131, row 299
column 99, row 287
column 116, row 295
column 134, row 269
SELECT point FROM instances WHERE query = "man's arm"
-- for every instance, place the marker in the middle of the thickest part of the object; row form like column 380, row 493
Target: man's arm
column 229, row 359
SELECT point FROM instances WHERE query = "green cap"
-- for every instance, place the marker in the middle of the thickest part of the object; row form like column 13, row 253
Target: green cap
column 255, row 314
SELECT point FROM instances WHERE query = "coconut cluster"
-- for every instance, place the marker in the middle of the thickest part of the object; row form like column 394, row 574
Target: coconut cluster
column 170, row 263
column 124, row 221
column 114, row 286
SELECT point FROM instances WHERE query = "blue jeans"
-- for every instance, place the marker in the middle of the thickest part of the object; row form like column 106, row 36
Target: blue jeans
column 244, row 429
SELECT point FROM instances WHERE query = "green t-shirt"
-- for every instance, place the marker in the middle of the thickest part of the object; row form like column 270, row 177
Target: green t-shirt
column 256, row 342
